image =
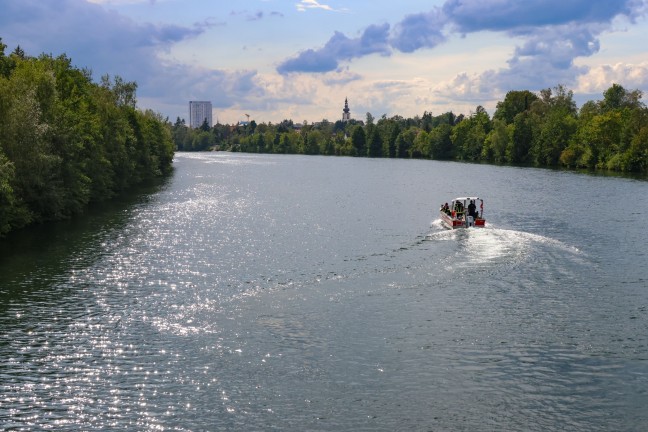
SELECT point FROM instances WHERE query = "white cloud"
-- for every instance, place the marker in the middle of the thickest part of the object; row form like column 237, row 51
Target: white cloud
column 304, row 5
column 600, row 78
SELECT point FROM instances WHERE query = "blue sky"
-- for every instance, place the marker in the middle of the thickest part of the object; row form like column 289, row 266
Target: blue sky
column 299, row 59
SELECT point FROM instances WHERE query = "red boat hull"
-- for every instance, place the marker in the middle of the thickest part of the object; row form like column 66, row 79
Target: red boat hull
column 453, row 223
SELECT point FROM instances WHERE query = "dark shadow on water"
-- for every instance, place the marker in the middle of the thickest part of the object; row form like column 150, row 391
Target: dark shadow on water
column 41, row 255
column 583, row 171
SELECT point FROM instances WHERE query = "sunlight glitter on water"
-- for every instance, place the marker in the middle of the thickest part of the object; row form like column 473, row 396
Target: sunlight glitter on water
column 257, row 292
column 496, row 250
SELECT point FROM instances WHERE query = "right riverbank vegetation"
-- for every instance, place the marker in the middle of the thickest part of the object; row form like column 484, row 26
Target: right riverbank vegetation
column 545, row 129
column 66, row 141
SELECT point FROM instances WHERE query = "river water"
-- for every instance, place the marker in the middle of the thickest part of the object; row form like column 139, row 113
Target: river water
column 293, row 293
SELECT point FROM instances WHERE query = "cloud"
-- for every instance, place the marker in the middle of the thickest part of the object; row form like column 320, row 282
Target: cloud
column 340, row 77
column 600, row 78
column 465, row 87
column 551, row 35
column 256, row 16
column 107, row 41
column 374, row 40
column 418, row 31
column 304, row 5
column 111, row 44
column 469, row 16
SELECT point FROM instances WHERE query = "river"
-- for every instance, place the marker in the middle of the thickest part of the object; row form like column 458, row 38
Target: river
column 297, row 293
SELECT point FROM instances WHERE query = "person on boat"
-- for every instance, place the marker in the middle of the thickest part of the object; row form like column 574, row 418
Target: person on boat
column 472, row 209
column 446, row 208
column 459, row 208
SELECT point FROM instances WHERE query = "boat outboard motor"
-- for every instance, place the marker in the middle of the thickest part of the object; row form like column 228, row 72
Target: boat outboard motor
column 470, row 221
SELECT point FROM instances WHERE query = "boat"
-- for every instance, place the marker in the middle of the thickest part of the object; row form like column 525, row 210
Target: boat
column 463, row 212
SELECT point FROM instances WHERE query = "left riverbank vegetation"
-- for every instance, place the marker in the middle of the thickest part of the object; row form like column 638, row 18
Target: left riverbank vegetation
column 544, row 129
column 66, row 141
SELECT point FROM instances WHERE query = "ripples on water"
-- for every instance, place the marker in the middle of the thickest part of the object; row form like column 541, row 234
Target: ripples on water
column 289, row 293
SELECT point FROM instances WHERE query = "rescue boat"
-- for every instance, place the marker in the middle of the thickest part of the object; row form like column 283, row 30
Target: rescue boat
column 463, row 212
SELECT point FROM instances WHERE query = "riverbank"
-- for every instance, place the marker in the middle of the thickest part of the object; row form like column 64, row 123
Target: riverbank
column 67, row 142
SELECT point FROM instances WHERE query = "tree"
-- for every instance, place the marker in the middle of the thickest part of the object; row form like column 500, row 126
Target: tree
column 375, row 142
column 6, row 63
column 559, row 98
column 497, row 142
column 12, row 213
column 553, row 120
column 359, row 141
column 312, row 142
column 421, row 146
column 441, row 142
column 65, row 141
column 389, row 129
column 30, row 91
column 636, row 157
column 468, row 136
column 426, row 121
column 205, row 126
column 513, row 104
column 521, row 139
column 597, row 141
column 617, row 97
column 404, row 142
column 552, row 137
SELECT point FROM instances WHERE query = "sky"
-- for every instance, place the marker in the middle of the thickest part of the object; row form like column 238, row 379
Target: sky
column 300, row 59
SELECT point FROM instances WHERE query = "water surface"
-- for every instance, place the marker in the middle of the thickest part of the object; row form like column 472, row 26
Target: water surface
column 259, row 292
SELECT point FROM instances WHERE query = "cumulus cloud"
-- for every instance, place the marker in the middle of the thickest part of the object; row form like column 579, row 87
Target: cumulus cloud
column 339, row 48
column 551, row 35
column 419, row 31
column 115, row 45
column 599, row 78
column 469, row 16
column 340, row 77
column 465, row 87
column 104, row 39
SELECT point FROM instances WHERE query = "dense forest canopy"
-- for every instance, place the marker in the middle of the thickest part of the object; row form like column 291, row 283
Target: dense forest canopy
column 66, row 141
column 544, row 129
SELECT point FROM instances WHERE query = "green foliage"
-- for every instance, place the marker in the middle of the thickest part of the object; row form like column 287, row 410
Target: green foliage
column 514, row 103
column 359, row 140
column 66, row 141
column 521, row 139
column 498, row 141
column 375, row 143
column 616, row 98
column 441, row 142
column 469, row 136
column 544, row 129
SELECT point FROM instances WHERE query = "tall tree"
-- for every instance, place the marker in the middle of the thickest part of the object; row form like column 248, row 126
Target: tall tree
column 359, row 141
column 513, row 104
column 617, row 97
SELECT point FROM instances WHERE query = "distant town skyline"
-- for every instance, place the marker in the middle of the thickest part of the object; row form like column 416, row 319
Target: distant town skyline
column 297, row 60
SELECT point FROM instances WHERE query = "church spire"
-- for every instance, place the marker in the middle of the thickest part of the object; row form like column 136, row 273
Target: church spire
column 346, row 115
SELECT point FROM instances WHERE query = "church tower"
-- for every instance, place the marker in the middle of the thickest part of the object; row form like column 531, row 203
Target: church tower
column 346, row 115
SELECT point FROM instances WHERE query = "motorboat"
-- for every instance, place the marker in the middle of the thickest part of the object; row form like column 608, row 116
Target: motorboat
column 463, row 212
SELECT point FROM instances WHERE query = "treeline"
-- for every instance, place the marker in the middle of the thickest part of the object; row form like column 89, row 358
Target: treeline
column 544, row 129
column 66, row 141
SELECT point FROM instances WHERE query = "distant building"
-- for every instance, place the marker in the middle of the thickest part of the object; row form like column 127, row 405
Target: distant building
column 199, row 111
column 346, row 114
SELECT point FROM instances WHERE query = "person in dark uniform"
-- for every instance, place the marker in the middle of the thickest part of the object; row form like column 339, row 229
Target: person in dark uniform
column 472, row 209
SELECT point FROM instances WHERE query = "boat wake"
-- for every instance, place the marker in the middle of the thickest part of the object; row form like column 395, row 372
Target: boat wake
column 492, row 247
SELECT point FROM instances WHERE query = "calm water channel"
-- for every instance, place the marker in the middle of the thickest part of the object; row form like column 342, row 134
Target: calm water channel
column 288, row 293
